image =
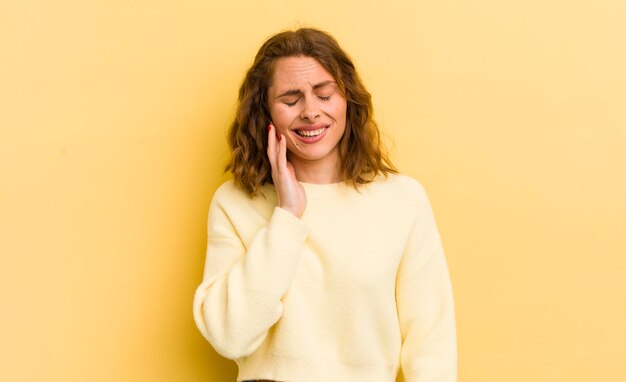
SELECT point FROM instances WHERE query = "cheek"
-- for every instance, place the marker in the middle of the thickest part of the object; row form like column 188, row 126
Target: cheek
column 338, row 110
column 281, row 115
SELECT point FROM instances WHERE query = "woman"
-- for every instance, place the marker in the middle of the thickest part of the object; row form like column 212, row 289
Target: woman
column 323, row 263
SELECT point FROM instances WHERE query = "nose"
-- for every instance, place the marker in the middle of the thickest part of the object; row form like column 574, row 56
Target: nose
column 310, row 110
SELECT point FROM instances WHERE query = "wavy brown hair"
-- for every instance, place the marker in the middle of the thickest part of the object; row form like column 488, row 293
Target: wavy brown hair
column 360, row 149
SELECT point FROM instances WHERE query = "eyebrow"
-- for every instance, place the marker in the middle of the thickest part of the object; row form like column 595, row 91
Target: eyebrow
column 297, row 91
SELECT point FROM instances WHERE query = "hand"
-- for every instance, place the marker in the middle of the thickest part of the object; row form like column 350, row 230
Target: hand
column 291, row 195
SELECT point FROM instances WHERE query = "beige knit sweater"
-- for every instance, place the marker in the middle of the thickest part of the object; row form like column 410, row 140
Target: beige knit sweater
column 351, row 292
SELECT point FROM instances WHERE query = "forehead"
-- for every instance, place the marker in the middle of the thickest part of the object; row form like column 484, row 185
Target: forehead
column 298, row 72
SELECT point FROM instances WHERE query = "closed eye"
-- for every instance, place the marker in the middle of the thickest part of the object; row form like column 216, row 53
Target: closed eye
column 291, row 103
column 324, row 98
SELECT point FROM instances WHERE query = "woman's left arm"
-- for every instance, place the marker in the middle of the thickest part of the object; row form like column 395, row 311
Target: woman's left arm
column 425, row 304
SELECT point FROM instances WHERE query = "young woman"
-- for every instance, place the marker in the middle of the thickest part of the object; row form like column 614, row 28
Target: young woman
column 323, row 263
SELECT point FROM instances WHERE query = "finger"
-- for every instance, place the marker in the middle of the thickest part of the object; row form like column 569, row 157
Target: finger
column 271, row 145
column 282, row 154
column 291, row 169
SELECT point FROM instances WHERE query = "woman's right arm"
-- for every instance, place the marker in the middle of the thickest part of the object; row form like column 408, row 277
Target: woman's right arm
column 239, row 299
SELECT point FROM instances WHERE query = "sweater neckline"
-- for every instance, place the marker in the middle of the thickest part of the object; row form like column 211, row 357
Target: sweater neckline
column 327, row 190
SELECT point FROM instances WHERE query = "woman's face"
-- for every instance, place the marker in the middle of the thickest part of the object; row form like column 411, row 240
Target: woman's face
column 307, row 107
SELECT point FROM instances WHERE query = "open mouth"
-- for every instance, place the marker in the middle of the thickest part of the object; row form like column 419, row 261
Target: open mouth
column 311, row 133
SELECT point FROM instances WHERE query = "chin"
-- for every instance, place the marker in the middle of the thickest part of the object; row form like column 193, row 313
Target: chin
column 313, row 155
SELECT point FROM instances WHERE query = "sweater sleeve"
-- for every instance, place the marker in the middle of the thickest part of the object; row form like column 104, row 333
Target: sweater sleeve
column 239, row 299
column 425, row 304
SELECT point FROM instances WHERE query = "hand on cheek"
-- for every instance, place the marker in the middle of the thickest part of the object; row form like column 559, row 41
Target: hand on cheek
column 291, row 195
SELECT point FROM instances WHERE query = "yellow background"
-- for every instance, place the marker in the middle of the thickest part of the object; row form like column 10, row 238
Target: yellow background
column 113, row 117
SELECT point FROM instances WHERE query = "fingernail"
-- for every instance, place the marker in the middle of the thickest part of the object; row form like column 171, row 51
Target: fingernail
column 269, row 127
column 280, row 137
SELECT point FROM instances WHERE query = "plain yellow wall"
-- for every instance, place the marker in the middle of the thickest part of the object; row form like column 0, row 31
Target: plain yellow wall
column 112, row 140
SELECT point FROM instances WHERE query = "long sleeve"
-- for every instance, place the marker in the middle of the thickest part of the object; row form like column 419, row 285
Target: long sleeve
column 425, row 304
column 239, row 299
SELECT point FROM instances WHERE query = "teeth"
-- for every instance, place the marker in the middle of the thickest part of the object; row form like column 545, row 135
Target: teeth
column 310, row 133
